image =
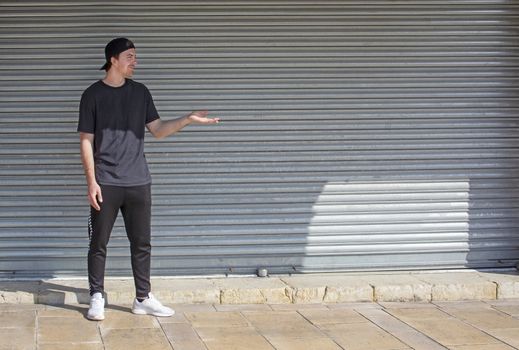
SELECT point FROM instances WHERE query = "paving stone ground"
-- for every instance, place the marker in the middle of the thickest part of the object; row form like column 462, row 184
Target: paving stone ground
column 458, row 325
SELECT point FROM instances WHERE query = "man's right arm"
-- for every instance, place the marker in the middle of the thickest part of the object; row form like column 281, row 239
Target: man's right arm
column 87, row 158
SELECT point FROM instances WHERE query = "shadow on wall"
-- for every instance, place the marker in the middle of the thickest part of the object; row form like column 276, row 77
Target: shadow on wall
column 348, row 225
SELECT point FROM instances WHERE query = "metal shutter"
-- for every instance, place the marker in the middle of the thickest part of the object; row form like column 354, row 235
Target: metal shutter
column 356, row 134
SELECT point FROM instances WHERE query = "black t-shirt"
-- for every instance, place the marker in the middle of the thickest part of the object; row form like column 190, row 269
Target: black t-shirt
column 117, row 117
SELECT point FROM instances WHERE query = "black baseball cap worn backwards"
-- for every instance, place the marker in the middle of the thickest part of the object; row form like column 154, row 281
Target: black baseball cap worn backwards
column 115, row 47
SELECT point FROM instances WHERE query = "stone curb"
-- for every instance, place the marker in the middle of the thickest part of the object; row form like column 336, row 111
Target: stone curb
column 296, row 289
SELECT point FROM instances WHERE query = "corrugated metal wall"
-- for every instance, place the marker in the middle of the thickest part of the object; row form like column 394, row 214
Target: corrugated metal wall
column 355, row 135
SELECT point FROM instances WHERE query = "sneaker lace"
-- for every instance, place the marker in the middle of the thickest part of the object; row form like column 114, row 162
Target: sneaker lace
column 96, row 303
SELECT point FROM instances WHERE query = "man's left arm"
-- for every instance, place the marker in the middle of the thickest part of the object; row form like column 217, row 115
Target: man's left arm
column 162, row 128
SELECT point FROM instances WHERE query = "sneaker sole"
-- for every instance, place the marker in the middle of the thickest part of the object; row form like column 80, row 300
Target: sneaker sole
column 158, row 314
column 93, row 318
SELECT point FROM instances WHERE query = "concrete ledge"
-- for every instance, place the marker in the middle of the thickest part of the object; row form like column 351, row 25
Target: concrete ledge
column 459, row 286
column 249, row 290
column 507, row 283
column 296, row 289
column 399, row 288
column 183, row 291
column 328, row 289
column 19, row 292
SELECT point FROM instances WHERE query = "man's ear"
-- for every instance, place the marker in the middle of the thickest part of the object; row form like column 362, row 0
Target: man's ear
column 113, row 59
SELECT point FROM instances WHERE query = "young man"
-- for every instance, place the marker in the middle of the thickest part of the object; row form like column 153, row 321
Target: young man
column 113, row 114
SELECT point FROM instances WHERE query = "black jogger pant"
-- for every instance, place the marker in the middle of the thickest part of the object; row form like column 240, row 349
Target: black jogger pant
column 135, row 205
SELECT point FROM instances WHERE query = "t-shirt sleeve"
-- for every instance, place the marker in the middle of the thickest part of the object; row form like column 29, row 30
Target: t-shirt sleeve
column 151, row 111
column 86, row 114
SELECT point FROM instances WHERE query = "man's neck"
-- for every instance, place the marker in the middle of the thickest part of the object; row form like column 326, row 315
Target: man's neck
column 113, row 79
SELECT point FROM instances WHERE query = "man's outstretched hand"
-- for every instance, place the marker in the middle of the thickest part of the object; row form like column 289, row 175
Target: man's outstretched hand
column 162, row 128
column 200, row 117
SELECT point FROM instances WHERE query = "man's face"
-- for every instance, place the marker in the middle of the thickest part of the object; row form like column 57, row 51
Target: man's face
column 125, row 63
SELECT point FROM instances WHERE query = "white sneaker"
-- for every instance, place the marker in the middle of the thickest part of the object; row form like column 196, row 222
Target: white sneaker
column 96, row 312
column 151, row 306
